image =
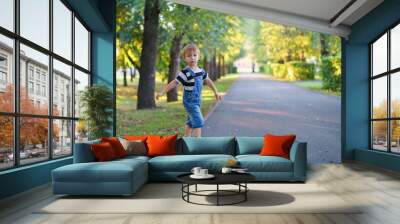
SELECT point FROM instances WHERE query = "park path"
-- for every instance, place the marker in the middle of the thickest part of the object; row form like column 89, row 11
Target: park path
column 255, row 105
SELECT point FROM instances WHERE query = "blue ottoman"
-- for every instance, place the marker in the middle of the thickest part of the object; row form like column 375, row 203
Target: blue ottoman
column 118, row 177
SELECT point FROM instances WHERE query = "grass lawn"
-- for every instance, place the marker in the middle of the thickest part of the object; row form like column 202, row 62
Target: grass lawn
column 167, row 118
column 315, row 85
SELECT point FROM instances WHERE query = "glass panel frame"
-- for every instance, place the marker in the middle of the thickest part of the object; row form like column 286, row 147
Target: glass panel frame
column 6, row 142
column 62, row 89
column 395, row 47
column 7, row 18
column 82, row 44
column 379, row 55
column 42, row 39
column 379, row 135
column 81, row 81
column 62, row 138
column 34, row 26
column 38, row 102
column 395, row 136
column 385, row 129
column 33, row 140
column 379, row 98
column 7, row 84
column 395, row 95
column 62, row 30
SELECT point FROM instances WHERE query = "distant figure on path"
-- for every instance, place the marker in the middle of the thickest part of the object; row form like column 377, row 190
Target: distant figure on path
column 192, row 77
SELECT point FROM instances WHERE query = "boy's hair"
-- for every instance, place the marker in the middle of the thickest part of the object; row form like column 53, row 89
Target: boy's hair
column 190, row 47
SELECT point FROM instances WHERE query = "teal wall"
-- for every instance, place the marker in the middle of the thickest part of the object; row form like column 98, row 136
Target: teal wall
column 99, row 16
column 356, row 86
column 103, row 65
column 24, row 178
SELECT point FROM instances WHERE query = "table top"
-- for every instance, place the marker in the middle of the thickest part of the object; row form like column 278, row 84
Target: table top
column 220, row 178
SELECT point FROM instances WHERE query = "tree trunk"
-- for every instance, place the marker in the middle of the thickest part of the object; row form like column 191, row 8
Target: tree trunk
column 205, row 65
column 124, row 72
column 134, row 72
column 214, row 66
column 210, row 69
column 173, row 66
column 148, row 55
column 324, row 45
column 223, row 66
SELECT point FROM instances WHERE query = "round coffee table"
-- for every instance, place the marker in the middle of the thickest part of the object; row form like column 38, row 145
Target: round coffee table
column 238, row 179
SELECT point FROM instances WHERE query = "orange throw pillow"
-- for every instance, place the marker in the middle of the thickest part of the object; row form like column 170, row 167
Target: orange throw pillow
column 161, row 145
column 277, row 145
column 116, row 145
column 103, row 152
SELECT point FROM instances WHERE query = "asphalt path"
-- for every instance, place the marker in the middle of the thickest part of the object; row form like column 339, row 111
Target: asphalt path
column 256, row 105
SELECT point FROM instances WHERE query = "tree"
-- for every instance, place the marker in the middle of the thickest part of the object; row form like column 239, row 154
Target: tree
column 97, row 103
column 216, row 34
column 129, row 31
column 175, row 26
column 148, row 56
column 33, row 131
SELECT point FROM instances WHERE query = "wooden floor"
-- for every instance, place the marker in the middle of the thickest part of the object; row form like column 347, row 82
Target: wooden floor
column 377, row 188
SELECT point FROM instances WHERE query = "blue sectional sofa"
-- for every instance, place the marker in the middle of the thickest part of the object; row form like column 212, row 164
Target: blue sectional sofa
column 125, row 176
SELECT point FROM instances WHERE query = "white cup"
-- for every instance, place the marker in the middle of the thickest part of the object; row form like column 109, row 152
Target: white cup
column 196, row 170
column 226, row 170
column 203, row 172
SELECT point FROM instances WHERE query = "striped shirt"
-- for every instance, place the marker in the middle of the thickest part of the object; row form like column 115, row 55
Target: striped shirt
column 186, row 78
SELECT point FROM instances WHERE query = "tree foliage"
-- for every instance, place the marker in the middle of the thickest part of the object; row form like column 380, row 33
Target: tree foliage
column 33, row 131
column 97, row 105
column 217, row 35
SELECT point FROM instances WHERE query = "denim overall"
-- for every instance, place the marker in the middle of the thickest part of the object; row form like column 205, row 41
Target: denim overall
column 192, row 102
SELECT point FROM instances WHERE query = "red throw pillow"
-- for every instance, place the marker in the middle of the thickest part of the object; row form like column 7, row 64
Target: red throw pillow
column 161, row 145
column 103, row 152
column 277, row 145
column 116, row 145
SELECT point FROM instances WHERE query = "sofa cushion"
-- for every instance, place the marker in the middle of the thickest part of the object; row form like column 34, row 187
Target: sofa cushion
column 116, row 145
column 277, row 145
column 135, row 147
column 161, row 145
column 257, row 163
column 83, row 152
column 208, row 145
column 185, row 163
column 112, row 171
column 103, row 152
column 249, row 145
column 133, row 157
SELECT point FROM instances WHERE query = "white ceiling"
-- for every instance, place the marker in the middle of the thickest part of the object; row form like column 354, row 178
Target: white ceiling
column 315, row 15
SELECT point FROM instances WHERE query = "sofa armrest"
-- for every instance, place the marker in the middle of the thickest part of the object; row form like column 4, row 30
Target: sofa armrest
column 83, row 152
column 298, row 155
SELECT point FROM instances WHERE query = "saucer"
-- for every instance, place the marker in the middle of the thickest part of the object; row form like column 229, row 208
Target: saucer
column 208, row 176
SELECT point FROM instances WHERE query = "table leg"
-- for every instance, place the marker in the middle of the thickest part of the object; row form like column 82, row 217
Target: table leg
column 188, row 189
column 245, row 193
column 217, row 194
column 182, row 189
column 196, row 188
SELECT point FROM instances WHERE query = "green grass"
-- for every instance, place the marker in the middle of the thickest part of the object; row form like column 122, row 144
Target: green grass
column 315, row 85
column 167, row 118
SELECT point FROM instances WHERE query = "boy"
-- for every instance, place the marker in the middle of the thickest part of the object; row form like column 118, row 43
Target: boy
column 192, row 77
